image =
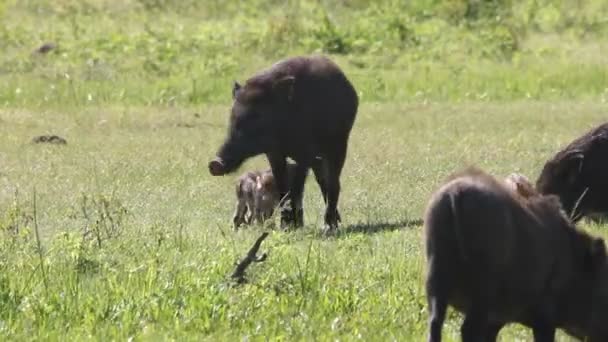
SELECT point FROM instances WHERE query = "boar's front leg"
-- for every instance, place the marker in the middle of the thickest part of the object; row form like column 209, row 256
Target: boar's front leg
column 319, row 169
column 278, row 165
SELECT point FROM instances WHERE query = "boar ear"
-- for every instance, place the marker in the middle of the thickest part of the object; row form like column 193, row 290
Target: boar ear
column 284, row 87
column 235, row 88
column 575, row 162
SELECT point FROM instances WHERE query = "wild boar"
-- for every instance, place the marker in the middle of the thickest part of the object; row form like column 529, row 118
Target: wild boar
column 577, row 174
column 500, row 259
column 303, row 108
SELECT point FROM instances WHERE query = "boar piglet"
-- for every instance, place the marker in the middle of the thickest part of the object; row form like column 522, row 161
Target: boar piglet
column 500, row 260
column 257, row 196
column 301, row 108
column 578, row 174
column 245, row 198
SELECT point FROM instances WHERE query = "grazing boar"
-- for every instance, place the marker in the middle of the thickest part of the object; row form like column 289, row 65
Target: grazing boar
column 257, row 196
column 500, row 259
column 578, row 175
column 302, row 108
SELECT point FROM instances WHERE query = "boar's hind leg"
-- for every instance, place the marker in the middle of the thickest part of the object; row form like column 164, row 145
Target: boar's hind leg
column 474, row 325
column 436, row 293
column 319, row 168
column 492, row 331
column 437, row 309
column 335, row 162
column 542, row 329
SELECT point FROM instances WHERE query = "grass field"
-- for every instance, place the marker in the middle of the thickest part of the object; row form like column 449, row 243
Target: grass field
column 123, row 234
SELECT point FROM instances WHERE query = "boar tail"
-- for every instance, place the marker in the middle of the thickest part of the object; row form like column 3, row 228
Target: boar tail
column 458, row 233
column 239, row 189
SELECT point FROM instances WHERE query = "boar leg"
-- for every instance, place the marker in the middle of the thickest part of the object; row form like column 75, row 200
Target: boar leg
column 258, row 216
column 436, row 294
column 239, row 213
column 492, row 331
column 335, row 162
column 475, row 324
column 319, row 169
column 251, row 207
column 437, row 309
column 543, row 333
column 473, row 327
column 297, row 192
column 278, row 165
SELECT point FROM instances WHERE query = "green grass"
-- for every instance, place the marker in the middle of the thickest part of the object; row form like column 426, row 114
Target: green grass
column 156, row 53
column 164, row 274
column 135, row 235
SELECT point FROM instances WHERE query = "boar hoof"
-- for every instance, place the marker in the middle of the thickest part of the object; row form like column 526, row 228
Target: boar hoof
column 292, row 218
column 216, row 167
column 329, row 230
column 332, row 219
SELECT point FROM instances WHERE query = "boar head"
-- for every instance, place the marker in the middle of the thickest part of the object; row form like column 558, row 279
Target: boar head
column 562, row 177
column 255, row 121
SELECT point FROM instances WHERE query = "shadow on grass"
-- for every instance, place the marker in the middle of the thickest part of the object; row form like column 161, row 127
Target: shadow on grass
column 377, row 227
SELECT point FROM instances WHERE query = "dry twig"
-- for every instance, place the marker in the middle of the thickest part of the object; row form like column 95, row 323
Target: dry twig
column 239, row 273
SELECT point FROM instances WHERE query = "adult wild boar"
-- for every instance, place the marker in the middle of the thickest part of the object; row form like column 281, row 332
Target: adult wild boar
column 499, row 259
column 302, row 108
column 579, row 174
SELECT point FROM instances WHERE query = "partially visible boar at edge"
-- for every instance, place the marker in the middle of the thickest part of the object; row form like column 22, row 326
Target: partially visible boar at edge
column 499, row 260
column 578, row 174
column 302, row 108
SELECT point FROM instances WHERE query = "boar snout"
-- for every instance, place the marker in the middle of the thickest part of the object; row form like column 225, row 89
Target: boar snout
column 217, row 167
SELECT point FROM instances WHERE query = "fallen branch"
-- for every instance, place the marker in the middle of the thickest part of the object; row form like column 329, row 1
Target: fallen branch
column 239, row 272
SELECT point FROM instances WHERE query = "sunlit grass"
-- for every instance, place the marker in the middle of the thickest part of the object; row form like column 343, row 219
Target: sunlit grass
column 164, row 271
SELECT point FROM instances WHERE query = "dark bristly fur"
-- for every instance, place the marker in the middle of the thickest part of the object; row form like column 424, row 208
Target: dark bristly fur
column 501, row 259
column 581, row 165
column 302, row 108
